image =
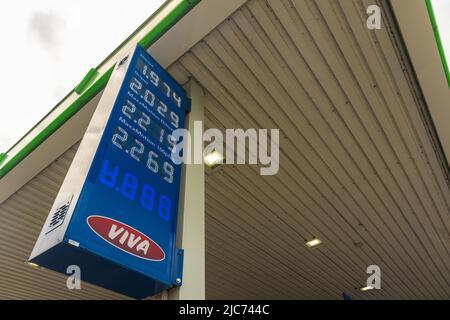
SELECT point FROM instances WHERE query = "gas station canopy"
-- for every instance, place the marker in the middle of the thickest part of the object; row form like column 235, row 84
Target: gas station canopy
column 364, row 148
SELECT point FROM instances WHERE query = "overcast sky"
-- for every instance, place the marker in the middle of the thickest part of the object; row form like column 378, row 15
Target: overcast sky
column 442, row 12
column 47, row 48
column 49, row 45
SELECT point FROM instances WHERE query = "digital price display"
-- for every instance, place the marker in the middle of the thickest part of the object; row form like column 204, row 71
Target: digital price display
column 126, row 212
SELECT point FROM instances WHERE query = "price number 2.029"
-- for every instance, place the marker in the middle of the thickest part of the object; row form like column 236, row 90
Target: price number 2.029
column 155, row 103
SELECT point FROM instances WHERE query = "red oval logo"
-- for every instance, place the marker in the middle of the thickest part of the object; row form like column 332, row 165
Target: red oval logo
column 126, row 238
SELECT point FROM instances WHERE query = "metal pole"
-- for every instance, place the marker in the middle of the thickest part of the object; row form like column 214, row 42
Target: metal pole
column 191, row 220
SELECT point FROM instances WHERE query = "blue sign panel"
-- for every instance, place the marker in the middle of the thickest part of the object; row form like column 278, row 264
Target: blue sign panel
column 125, row 219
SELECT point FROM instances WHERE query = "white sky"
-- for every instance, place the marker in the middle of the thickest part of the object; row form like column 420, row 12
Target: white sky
column 442, row 12
column 48, row 46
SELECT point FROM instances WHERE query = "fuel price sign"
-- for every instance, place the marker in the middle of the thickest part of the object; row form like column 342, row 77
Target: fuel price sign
column 116, row 213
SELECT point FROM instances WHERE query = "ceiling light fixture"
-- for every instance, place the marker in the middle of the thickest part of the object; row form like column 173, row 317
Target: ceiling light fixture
column 213, row 159
column 313, row 243
column 366, row 288
column 32, row 264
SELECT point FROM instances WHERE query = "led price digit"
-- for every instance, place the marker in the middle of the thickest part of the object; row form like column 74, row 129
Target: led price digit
column 108, row 177
column 121, row 135
column 165, row 205
column 149, row 98
column 129, row 186
column 161, row 85
column 144, row 121
column 150, row 101
column 129, row 189
column 128, row 109
column 135, row 85
column 147, row 199
column 136, row 150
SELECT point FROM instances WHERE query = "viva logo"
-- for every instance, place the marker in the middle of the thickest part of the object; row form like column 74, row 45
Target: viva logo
column 126, row 238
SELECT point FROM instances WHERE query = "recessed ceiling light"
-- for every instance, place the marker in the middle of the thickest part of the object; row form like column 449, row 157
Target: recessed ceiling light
column 213, row 159
column 32, row 264
column 366, row 288
column 313, row 243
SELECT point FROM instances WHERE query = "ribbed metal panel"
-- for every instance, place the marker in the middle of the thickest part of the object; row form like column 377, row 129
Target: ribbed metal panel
column 21, row 219
column 358, row 168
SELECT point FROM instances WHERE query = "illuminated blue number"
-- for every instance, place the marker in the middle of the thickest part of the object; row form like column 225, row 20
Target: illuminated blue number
column 148, row 197
column 107, row 176
column 129, row 186
column 165, row 205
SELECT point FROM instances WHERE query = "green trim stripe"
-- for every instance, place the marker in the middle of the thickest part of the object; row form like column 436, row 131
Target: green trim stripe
column 165, row 24
column 2, row 157
column 87, row 81
column 437, row 35
column 168, row 22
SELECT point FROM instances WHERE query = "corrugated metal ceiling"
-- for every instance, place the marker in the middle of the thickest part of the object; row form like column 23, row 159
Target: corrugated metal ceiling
column 357, row 166
column 21, row 219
